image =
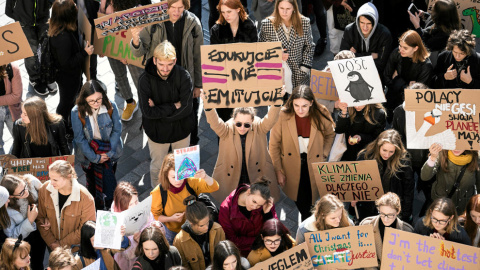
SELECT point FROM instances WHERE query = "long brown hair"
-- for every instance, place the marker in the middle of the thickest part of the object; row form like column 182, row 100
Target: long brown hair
column 472, row 166
column 233, row 4
column 123, row 195
column 167, row 165
column 276, row 19
column 316, row 112
column 154, row 234
column 11, row 182
column 9, row 255
column 64, row 17
column 89, row 88
column 446, row 207
column 413, row 39
column 394, row 163
column 368, row 112
column 37, row 112
column 445, row 16
column 470, row 226
column 4, row 218
column 3, row 72
column 326, row 205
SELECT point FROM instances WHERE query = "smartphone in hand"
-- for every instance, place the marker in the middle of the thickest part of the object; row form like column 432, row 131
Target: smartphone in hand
column 413, row 9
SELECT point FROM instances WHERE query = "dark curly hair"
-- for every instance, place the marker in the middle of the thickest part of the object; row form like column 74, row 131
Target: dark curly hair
column 463, row 40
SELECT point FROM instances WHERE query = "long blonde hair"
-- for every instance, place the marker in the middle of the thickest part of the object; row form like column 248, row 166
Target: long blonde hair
column 37, row 112
column 296, row 17
column 326, row 205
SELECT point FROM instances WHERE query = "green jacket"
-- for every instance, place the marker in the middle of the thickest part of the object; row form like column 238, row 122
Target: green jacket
column 191, row 42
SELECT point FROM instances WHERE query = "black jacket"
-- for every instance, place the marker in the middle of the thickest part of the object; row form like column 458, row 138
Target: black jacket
column 361, row 127
column 222, row 33
column 28, row 12
column 164, row 123
column 402, row 184
column 171, row 258
column 419, row 72
column 68, row 54
column 56, row 138
column 459, row 236
column 433, row 38
column 445, row 60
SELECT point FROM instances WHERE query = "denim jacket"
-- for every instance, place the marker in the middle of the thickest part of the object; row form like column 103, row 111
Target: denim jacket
column 110, row 131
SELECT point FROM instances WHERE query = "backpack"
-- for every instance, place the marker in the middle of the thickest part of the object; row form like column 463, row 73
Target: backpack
column 45, row 63
column 202, row 197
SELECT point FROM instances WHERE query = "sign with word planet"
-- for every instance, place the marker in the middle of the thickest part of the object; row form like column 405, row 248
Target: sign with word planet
column 343, row 248
column 297, row 258
column 13, row 44
column 38, row 167
column 242, row 74
column 322, row 85
column 445, row 116
column 405, row 250
column 349, row 180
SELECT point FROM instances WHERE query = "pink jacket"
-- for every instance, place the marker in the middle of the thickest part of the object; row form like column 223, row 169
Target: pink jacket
column 13, row 93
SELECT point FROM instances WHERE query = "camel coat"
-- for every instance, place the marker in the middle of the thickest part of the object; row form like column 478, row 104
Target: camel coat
column 228, row 168
column 285, row 151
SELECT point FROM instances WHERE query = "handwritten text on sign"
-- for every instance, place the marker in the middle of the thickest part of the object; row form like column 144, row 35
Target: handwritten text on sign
column 404, row 250
column 448, row 117
column 13, row 44
column 38, row 167
column 242, row 74
column 349, row 180
column 126, row 19
column 297, row 258
column 343, row 248
column 322, row 85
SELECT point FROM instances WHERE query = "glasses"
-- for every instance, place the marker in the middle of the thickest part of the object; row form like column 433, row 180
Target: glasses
column 389, row 216
column 441, row 222
column 92, row 102
column 276, row 242
column 246, row 125
column 22, row 192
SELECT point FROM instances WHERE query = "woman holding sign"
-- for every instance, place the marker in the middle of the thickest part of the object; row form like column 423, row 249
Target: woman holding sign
column 290, row 27
column 303, row 135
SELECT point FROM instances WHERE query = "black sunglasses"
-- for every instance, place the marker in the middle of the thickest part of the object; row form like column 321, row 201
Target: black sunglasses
column 239, row 124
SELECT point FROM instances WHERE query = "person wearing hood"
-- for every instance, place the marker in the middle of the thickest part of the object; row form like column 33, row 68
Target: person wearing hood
column 366, row 36
column 165, row 99
column 199, row 235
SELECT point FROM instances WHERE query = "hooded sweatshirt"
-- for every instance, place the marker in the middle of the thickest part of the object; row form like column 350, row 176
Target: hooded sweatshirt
column 369, row 10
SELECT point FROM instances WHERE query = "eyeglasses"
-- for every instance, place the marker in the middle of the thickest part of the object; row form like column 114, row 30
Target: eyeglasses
column 92, row 102
column 22, row 192
column 246, row 125
column 276, row 242
column 389, row 216
column 441, row 222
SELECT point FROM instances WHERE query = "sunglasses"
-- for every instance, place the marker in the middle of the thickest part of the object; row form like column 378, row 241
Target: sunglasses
column 246, row 125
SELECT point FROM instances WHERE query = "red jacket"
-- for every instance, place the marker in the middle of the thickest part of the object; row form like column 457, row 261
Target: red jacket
column 237, row 227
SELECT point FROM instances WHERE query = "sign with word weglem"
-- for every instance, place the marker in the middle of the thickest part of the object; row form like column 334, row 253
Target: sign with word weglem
column 297, row 258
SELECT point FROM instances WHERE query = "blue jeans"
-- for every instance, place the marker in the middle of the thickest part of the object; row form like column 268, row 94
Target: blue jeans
column 5, row 119
column 170, row 235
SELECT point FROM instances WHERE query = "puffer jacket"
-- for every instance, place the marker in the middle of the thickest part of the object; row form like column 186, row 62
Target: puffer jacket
column 164, row 123
column 192, row 39
column 29, row 12
column 379, row 41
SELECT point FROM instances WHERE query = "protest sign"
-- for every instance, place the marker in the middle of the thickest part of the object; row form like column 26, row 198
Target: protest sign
column 117, row 47
column 94, row 266
column 85, row 30
column 136, row 217
column 38, row 167
column 322, row 85
column 402, row 250
column 107, row 230
column 297, row 258
column 344, row 248
column 13, row 44
column 357, row 81
column 445, row 116
column 468, row 12
column 242, row 74
column 349, row 180
column 187, row 162
column 126, row 19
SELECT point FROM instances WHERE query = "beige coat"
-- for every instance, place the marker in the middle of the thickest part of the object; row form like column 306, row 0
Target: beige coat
column 403, row 226
column 285, row 151
column 228, row 168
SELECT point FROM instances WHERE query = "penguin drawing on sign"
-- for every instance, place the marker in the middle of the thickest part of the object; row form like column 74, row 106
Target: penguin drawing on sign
column 358, row 87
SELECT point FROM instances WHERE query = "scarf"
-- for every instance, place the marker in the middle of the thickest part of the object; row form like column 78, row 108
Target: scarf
column 102, row 172
column 176, row 190
column 459, row 160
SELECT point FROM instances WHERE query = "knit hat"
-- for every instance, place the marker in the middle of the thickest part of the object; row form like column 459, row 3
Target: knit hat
column 3, row 196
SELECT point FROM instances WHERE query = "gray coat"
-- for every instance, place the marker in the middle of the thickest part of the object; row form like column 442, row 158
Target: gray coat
column 191, row 42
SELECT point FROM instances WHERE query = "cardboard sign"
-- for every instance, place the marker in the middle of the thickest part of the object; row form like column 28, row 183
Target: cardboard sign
column 126, row 19
column 322, row 85
column 344, row 248
column 38, row 167
column 85, row 30
column 13, row 44
column 404, row 250
column 448, row 117
column 357, row 81
column 187, row 162
column 242, row 74
column 136, row 217
column 468, row 12
column 297, row 258
column 107, row 230
column 349, row 180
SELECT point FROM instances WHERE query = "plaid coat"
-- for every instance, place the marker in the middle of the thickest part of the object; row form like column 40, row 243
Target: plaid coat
column 299, row 48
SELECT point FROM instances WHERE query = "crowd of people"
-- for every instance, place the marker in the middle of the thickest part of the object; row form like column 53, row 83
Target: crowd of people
column 237, row 225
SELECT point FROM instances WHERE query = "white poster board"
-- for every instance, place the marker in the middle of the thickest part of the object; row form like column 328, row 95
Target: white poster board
column 357, row 81
column 187, row 162
column 94, row 266
column 107, row 231
column 136, row 217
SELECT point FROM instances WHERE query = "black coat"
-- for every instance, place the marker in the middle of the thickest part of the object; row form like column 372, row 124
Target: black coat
column 171, row 258
column 419, row 72
column 433, row 38
column 459, row 236
column 56, row 138
column 28, row 12
column 68, row 54
column 164, row 123
column 445, row 60
column 222, row 33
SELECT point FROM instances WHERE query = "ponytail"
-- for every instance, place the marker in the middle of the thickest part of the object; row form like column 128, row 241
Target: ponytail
column 196, row 210
column 262, row 185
